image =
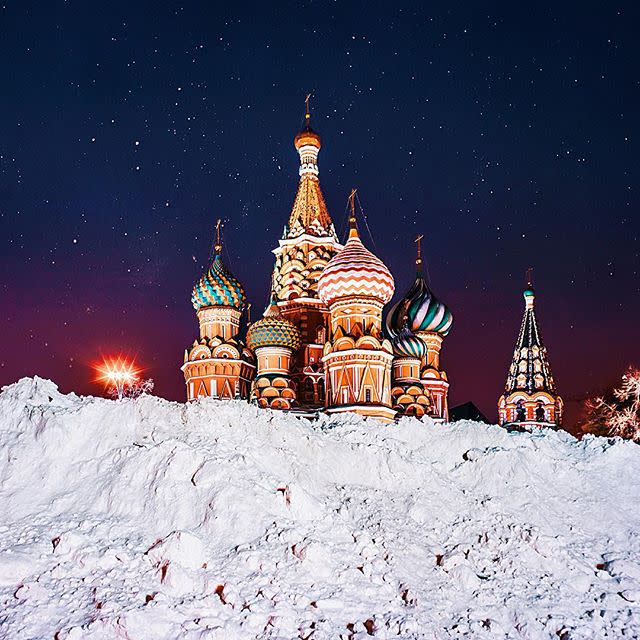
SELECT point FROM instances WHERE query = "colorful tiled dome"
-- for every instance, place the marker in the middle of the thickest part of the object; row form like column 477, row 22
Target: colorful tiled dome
column 273, row 330
column 419, row 310
column 355, row 271
column 405, row 344
column 218, row 288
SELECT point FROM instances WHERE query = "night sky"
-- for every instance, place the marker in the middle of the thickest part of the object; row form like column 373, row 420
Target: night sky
column 507, row 135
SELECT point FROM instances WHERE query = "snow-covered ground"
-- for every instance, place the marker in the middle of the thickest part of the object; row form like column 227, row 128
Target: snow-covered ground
column 145, row 519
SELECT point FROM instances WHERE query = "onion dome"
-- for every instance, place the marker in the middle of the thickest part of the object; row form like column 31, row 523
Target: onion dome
column 419, row 309
column 273, row 330
column 407, row 345
column 355, row 271
column 218, row 287
column 307, row 136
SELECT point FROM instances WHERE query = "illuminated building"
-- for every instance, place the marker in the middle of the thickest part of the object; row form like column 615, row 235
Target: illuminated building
column 530, row 397
column 418, row 324
column 321, row 344
column 357, row 358
column 308, row 243
column 274, row 339
column 218, row 365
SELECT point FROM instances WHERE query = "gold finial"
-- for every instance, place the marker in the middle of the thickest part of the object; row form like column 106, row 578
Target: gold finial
column 218, row 244
column 419, row 254
column 353, row 228
column 248, row 314
column 307, row 115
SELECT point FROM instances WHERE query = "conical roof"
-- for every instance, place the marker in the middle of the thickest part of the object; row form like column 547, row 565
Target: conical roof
column 309, row 213
column 529, row 371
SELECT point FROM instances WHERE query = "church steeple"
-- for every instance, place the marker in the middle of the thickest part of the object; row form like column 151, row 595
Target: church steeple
column 529, row 369
column 308, row 243
column 309, row 214
column 530, row 394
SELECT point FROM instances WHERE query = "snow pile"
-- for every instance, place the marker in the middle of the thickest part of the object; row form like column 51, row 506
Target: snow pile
column 145, row 519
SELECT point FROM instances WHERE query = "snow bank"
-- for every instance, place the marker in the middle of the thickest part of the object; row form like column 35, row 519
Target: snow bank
column 145, row 519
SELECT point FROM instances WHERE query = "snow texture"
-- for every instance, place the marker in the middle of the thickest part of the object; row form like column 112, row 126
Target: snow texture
column 145, row 519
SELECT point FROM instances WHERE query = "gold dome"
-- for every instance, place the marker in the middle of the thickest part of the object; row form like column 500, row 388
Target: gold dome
column 307, row 137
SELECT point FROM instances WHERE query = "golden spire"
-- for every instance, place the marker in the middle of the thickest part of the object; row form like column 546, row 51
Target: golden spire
column 307, row 136
column 419, row 253
column 218, row 245
column 307, row 115
column 353, row 227
column 309, row 213
column 530, row 277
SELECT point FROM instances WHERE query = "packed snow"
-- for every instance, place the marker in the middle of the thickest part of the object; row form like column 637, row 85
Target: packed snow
column 146, row 519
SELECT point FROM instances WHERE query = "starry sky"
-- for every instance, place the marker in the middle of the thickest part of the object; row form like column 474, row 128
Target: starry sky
column 506, row 133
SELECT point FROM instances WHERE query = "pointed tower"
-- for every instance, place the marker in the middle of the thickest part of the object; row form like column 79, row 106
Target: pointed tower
column 530, row 396
column 357, row 359
column 308, row 243
column 423, row 315
column 218, row 365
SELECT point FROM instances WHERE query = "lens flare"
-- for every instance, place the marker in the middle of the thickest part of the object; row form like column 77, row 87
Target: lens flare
column 117, row 374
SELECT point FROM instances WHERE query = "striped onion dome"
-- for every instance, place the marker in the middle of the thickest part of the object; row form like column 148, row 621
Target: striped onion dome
column 273, row 330
column 407, row 345
column 218, row 288
column 419, row 310
column 355, row 271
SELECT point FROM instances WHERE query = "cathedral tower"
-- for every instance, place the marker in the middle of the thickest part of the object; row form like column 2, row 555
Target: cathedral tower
column 357, row 359
column 423, row 315
column 218, row 365
column 274, row 339
column 409, row 396
column 308, row 243
column 530, row 396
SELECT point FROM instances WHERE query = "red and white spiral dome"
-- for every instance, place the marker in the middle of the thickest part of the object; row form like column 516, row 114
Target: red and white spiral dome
column 355, row 272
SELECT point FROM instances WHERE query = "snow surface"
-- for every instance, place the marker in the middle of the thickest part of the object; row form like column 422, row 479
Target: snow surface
column 146, row 519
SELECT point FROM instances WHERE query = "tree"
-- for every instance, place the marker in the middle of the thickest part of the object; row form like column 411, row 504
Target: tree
column 135, row 389
column 617, row 413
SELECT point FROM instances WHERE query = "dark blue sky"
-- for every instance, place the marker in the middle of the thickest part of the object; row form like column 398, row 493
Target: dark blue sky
column 506, row 134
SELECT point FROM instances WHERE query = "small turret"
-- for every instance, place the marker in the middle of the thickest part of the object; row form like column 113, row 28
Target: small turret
column 530, row 395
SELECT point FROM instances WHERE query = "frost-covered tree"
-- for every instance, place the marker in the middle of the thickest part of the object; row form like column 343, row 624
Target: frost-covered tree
column 617, row 413
column 135, row 389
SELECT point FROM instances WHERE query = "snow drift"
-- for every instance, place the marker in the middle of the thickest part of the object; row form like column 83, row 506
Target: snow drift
column 145, row 519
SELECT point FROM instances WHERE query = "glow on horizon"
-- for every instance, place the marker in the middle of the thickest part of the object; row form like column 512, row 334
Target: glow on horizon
column 117, row 373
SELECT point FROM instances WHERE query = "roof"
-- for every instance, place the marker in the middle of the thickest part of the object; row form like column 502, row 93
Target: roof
column 530, row 371
column 309, row 213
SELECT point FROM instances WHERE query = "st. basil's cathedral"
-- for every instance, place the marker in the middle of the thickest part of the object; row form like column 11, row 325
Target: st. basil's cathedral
column 322, row 343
